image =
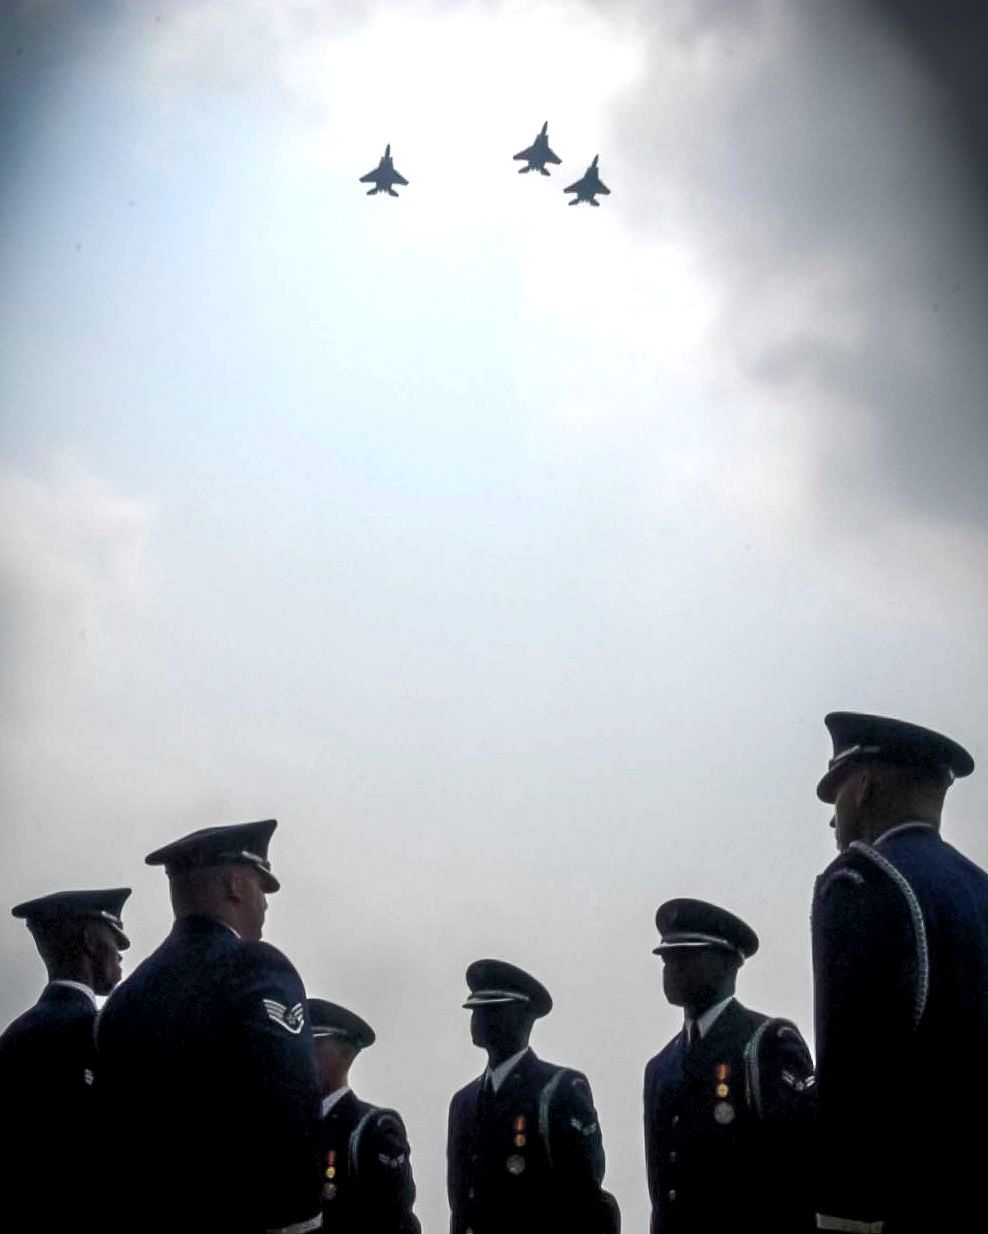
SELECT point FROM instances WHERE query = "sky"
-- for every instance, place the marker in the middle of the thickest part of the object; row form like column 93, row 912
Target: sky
column 510, row 554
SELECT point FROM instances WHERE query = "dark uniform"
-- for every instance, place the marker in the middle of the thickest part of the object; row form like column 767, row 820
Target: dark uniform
column 371, row 1190
column 726, row 1118
column 46, row 1074
column 527, row 1158
column 900, row 956
column 204, row 1070
column 366, row 1161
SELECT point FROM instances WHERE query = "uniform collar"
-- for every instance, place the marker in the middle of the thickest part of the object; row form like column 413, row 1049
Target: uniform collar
column 705, row 1022
column 333, row 1098
column 74, row 985
column 913, row 826
column 501, row 1072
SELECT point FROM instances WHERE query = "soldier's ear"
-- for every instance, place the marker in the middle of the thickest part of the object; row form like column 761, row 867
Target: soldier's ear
column 233, row 884
column 863, row 787
column 90, row 940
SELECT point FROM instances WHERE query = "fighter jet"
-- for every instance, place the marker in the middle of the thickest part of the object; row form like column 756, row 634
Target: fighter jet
column 538, row 153
column 588, row 186
column 383, row 176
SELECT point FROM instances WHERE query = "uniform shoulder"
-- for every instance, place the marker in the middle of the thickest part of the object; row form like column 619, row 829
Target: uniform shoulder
column 385, row 1119
column 19, row 1029
column 775, row 1033
column 748, row 1019
column 658, row 1061
column 263, row 958
column 859, row 867
column 567, row 1076
column 466, row 1093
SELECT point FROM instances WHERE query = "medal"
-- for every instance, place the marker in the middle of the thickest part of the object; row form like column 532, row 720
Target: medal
column 724, row 1113
column 328, row 1191
column 520, row 1138
column 722, row 1071
column 515, row 1164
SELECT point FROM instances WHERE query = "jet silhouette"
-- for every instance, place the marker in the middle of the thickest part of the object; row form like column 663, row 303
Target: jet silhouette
column 538, row 153
column 588, row 186
column 383, row 176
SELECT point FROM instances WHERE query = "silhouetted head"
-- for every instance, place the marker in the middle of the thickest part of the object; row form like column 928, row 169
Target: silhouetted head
column 504, row 1002
column 338, row 1036
column 885, row 772
column 702, row 947
column 222, row 873
column 79, row 935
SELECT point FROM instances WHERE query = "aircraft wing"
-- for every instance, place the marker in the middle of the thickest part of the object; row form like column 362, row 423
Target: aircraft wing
column 577, row 186
column 371, row 177
column 397, row 177
column 550, row 156
column 525, row 154
column 602, row 188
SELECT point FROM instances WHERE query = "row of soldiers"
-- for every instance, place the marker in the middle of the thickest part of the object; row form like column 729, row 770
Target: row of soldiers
column 210, row 1094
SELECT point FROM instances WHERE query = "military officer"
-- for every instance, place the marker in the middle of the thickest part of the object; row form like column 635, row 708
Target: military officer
column 524, row 1148
column 725, row 1101
column 367, row 1170
column 900, row 958
column 46, row 1056
column 204, row 1057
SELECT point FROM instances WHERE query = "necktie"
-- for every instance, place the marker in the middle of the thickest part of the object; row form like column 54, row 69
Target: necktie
column 486, row 1098
column 692, row 1035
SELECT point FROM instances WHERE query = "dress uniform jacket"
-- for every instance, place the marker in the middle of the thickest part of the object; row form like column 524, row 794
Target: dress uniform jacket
column 529, row 1158
column 365, row 1150
column 46, row 1061
column 205, row 1078
column 726, row 1129
column 900, row 952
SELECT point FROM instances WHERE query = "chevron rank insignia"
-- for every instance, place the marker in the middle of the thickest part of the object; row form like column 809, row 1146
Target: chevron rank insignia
column 291, row 1019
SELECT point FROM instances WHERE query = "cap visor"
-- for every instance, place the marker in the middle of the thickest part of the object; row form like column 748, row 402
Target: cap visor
column 826, row 790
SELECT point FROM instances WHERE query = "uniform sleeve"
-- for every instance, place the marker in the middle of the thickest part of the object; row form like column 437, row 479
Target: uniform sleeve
column 865, row 958
column 649, row 1104
column 453, row 1166
column 780, row 1077
column 783, row 1079
column 386, row 1174
column 273, row 1046
column 577, row 1151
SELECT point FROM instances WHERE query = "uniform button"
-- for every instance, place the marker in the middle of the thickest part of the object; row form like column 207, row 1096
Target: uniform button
column 675, row 1120
column 672, row 1157
column 672, row 1194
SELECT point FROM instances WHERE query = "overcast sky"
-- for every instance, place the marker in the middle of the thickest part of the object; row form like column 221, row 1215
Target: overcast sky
column 508, row 553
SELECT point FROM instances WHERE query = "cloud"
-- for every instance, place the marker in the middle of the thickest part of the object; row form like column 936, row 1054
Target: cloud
column 73, row 572
column 805, row 157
